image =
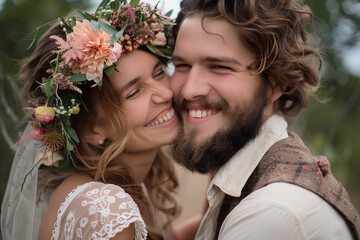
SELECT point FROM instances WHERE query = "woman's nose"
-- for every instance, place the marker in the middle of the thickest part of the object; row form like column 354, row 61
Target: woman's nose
column 162, row 93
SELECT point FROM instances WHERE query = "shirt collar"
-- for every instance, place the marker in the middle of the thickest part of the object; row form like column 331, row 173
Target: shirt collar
column 232, row 177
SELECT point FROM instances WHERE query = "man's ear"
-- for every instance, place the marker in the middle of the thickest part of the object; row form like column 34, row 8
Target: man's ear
column 95, row 137
column 274, row 91
column 275, row 94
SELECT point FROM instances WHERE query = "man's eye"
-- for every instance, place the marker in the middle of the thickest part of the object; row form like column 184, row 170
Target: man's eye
column 182, row 67
column 132, row 93
column 220, row 67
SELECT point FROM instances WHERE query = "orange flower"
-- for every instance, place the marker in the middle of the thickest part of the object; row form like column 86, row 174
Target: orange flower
column 90, row 51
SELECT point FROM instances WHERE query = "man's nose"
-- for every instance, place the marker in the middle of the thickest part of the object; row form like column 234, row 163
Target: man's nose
column 195, row 85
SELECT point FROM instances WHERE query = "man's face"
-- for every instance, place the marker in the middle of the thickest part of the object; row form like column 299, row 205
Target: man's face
column 220, row 101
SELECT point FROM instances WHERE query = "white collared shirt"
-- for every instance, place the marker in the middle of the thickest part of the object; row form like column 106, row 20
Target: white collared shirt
column 279, row 211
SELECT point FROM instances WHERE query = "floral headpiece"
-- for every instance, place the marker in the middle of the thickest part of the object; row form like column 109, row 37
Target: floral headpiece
column 91, row 49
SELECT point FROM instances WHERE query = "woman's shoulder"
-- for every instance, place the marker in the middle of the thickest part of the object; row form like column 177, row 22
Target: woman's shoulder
column 93, row 208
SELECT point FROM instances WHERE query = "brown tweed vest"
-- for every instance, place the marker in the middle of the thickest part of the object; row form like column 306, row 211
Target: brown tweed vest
column 290, row 161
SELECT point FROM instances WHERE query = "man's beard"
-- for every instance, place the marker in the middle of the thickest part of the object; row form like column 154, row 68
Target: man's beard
column 245, row 122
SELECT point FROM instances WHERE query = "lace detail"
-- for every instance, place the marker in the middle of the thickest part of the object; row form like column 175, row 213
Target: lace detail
column 96, row 210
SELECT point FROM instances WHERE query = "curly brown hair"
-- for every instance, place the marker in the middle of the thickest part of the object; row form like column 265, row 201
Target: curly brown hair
column 104, row 163
column 274, row 31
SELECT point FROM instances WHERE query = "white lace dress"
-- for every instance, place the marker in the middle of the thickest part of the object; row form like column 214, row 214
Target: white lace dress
column 97, row 211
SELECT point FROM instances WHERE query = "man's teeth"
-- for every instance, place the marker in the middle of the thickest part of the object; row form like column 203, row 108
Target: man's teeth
column 201, row 113
column 163, row 119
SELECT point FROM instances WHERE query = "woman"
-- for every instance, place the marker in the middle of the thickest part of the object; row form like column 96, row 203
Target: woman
column 102, row 173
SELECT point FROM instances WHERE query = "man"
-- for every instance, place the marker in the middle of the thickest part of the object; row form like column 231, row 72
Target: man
column 240, row 66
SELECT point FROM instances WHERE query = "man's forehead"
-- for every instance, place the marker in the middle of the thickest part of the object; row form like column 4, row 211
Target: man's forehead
column 208, row 59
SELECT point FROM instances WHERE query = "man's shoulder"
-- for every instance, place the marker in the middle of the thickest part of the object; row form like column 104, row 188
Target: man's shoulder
column 291, row 197
column 289, row 207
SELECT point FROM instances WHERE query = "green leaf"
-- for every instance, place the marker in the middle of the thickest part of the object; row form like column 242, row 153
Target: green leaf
column 107, row 27
column 168, row 14
column 33, row 42
column 70, row 146
column 157, row 51
column 115, row 37
column 83, row 16
column 78, row 77
column 73, row 21
column 48, row 89
column 151, row 48
column 38, row 92
column 157, row 4
column 83, row 104
column 109, row 70
column 91, row 16
column 121, row 32
column 72, row 133
column 134, row 3
column 102, row 4
column 65, row 120
column 95, row 25
column 68, row 28
column 61, row 165
column 100, row 83
column 116, row 5
column 52, row 100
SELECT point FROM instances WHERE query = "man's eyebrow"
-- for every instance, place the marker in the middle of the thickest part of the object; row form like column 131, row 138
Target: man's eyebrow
column 129, row 84
column 177, row 58
column 229, row 60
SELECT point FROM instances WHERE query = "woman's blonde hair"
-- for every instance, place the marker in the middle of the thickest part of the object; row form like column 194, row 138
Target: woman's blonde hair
column 104, row 163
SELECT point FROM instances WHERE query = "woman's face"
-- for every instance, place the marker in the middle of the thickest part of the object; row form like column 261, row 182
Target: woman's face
column 145, row 90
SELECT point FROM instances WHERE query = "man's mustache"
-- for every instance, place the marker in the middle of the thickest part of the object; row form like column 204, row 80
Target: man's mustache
column 204, row 102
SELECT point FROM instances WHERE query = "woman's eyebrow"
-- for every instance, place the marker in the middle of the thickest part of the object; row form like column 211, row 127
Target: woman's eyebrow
column 159, row 63
column 129, row 84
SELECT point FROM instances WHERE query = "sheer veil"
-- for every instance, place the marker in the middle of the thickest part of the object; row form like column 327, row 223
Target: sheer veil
column 24, row 206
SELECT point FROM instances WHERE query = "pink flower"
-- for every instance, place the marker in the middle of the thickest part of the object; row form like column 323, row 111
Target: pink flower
column 38, row 133
column 63, row 45
column 44, row 114
column 90, row 51
column 159, row 40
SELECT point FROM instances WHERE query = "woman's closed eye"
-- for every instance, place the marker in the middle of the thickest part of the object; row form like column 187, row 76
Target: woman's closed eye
column 132, row 93
column 159, row 73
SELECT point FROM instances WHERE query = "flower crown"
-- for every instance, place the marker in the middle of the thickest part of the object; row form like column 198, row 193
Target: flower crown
column 91, row 48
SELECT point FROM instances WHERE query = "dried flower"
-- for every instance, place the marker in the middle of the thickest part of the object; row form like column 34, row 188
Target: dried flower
column 54, row 140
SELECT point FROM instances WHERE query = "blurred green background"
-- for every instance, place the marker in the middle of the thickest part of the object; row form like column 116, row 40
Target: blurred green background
column 330, row 128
